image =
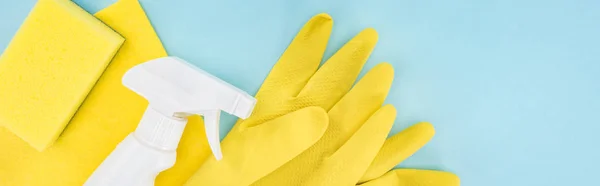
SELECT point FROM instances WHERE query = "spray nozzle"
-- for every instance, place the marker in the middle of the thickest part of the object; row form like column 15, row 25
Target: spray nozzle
column 175, row 88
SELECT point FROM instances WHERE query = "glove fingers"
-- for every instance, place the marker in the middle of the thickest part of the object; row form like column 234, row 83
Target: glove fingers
column 338, row 74
column 351, row 160
column 300, row 60
column 412, row 177
column 347, row 116
column 254, row 152
column 399, row 147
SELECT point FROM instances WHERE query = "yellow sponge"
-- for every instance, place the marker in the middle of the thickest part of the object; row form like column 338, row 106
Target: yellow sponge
column 49, row 68
column 109, row 113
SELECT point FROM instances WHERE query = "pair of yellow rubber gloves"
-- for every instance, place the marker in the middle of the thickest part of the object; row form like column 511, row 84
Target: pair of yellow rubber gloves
column 311, row 126
column 342, row 128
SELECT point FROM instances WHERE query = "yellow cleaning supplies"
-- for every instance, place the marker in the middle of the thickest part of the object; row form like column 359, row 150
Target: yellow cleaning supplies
column 49, row 68
column 109, row 113
column 354, row 148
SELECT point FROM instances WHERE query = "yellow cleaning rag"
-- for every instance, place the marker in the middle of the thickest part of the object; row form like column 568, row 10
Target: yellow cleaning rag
column 109, row 113
column 49, row 68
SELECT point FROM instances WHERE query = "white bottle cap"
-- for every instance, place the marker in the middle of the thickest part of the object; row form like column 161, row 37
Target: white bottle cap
column 160, row 131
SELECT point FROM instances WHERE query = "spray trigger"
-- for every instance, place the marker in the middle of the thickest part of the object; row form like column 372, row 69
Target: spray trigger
column 175, row 88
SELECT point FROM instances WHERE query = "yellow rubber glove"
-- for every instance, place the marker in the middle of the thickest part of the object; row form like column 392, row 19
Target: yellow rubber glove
column 294, row 83
column 395, row 150
column 352, row 150
column 351, row 147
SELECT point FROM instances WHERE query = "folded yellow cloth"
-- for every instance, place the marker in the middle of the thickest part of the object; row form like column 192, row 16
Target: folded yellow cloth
column 108, row 114
column 49, row 68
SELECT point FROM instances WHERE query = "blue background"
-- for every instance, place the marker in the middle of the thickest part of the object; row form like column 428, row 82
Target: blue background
column 512, row 86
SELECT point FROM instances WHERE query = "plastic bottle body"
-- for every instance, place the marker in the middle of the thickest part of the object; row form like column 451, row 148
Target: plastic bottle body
column 132, row 163
column 143, row 154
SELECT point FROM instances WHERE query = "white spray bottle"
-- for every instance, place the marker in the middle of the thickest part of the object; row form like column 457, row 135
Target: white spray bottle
column 175, row 90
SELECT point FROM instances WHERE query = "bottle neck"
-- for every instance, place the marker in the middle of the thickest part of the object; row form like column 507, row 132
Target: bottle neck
column 160, row 131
